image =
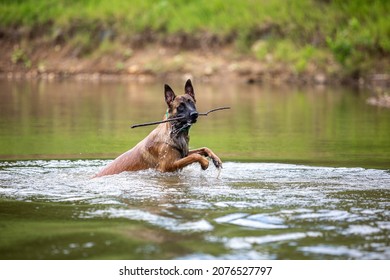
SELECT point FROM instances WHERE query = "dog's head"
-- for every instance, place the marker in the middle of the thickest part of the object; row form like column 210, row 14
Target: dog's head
column 181, row 106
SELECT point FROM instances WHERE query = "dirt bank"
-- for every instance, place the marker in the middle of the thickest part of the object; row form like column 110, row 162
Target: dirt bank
column 31, row 55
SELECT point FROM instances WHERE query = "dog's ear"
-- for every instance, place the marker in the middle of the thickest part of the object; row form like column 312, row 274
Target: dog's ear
column 169, row 95
column 188, row 89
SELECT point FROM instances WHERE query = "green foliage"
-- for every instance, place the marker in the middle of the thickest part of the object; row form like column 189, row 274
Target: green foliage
column 285, row 51
column 82, row 43
column 19, row 56
column 109, row 47
column 350, row 44
column 354, row 31
column 362, row 32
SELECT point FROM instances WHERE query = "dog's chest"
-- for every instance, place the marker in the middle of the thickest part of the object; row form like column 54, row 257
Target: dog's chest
column 180, row 143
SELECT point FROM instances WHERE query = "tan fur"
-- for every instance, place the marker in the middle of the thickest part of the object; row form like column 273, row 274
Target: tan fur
column 163, row 150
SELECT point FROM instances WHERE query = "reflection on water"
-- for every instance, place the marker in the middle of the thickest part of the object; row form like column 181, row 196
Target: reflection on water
column 254, row 210
column 52, row 209
column 60, row 120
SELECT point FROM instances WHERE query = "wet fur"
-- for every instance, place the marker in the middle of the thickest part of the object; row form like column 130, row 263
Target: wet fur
column 166, row 148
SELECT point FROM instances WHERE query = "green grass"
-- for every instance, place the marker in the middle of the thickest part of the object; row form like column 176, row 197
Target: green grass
column 286, row 51
column 354, row 31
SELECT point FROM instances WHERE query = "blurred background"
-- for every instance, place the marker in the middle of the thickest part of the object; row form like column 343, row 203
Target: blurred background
column 305, row 146
column 307, row 41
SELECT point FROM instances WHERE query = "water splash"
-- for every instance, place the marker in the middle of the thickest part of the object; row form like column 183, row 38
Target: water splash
column 265, row 206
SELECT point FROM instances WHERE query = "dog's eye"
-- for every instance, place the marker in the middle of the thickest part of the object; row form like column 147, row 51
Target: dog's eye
column 180, row 108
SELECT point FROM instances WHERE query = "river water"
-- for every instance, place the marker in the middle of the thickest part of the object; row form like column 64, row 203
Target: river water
column 305, row 175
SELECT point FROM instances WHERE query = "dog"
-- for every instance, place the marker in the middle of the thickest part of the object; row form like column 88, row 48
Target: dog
column 166, row 148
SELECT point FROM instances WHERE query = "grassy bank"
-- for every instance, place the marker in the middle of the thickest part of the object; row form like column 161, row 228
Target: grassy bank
column 349, row 38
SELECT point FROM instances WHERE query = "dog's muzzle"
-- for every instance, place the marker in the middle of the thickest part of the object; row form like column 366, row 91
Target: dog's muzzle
column 194, row 117
column 186, row 123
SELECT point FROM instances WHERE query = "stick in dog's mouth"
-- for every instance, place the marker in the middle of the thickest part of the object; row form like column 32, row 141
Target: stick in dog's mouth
column 178, row 118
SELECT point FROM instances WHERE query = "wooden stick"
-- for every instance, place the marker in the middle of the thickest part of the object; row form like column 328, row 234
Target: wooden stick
column 157, row 122
column 213, row 110
column 177, row 118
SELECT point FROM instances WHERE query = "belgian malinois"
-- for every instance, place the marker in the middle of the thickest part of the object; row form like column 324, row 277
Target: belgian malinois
column 166, row 147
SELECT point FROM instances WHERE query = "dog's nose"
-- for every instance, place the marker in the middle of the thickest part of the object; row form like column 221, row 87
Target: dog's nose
column 194, row 115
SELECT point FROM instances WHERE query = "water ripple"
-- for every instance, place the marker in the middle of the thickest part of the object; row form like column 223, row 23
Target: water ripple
column 314, row 210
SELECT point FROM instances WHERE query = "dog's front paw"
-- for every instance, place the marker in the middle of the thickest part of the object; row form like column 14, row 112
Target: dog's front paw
column 204, row 164
column 217, row 162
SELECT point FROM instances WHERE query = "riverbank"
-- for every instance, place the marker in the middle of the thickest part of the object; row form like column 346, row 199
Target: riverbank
column 262, row 42
column 154, row 60
column 157, row 60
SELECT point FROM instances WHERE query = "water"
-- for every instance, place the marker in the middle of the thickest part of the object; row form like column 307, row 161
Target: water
column 71, row 120
column 317, row 186
column 252, row 211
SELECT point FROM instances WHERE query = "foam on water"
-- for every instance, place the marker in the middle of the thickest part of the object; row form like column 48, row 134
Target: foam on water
column 274, row 204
